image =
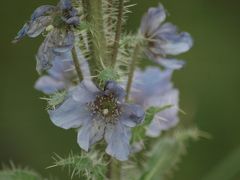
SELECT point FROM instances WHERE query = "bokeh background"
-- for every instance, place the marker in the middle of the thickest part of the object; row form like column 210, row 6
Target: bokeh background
column 209, row 85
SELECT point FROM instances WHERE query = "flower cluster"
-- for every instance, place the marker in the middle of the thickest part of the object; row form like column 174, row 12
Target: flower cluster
column 102, row 106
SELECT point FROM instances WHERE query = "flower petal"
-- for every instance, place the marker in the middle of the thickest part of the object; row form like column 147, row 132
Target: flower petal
column 132, row 115
column 64, row 41
column 62, row 66
column 117, row 137
column 170, row 63
column 21, row 33
column 171, row 41
column 65, row 4
column 152, row 20
column 91, row 132
column 113, row 87
column 70, row 114
column 150, row 82
column 49, row 85
column 37, row 26
column 43, row 11
column 73, row 21
column 44, row 57
column 167, row 118
column 85, row 92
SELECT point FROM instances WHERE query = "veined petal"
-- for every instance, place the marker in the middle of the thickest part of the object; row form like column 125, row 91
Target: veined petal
column 37, row 26
column 91, row 132
column 132, row 115
column 70, row 114
column 49, row 85
column 117, row 137
column 43, row 11
column 152, row 20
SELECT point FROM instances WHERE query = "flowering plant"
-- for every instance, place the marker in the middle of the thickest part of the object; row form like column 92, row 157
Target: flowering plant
column 115, row 88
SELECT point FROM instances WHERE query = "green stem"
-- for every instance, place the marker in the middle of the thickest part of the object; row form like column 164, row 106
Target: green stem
column 98, row 45
column 118, row 32
column 131, row 70
column 76, row 64
column 114, row 170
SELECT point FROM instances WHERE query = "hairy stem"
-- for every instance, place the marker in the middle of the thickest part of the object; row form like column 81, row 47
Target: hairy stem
column 76, row 64
column 96, row 36
column 131, row 70
column 118, row 32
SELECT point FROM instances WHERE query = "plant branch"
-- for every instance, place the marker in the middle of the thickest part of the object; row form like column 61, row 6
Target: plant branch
column 118, row 32
column 96, row 36
column 131, row 70
column 76, row 64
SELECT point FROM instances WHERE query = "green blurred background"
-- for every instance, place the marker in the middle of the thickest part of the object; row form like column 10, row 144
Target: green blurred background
column 209, row 86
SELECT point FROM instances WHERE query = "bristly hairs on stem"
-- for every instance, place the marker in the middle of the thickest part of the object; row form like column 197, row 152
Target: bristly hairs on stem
column 114, row 16
column 86, row 165
column 97, row 37
column 15, row 172
column 132, row 66
column 117, row 33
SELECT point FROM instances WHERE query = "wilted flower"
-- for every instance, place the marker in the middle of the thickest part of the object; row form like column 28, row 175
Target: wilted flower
column 99, row 114
column 63, row 18
column 163, row 38
column 153, row 88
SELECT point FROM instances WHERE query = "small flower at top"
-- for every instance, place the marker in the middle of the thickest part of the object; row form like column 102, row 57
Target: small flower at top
column 163, row 38
column 62, row 19
column 99, row 114
column 153, row 88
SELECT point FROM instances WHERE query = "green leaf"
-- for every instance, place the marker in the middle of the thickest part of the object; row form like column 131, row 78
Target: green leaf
column 166, row 153
column 86, row 165
column 19, row 174
column 139, row 131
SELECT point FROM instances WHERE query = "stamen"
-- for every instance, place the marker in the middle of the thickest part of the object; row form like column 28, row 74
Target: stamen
column 106, row 107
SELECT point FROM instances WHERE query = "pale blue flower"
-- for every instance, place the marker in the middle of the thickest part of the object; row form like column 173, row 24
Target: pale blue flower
column 62, row 75
column 163, row 38
column 60, row 39
column 153, row 88
column 99, row 114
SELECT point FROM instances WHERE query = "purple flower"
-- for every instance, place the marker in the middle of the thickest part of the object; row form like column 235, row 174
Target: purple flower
column 60, row 39
column 163, row 38
column 99, row 114
column 153, row 88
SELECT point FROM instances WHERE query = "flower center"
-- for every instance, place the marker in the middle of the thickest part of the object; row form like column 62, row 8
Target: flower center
column 105, row 106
